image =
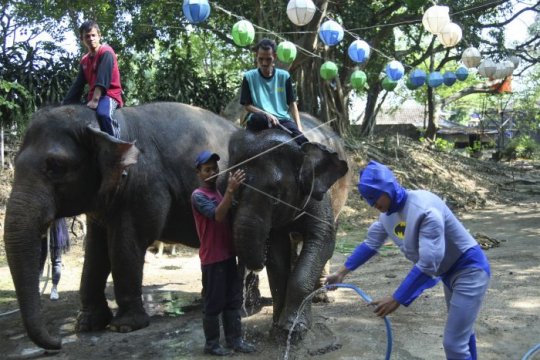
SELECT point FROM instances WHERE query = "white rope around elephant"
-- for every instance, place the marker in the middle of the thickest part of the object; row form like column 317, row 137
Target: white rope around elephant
column 287, row 204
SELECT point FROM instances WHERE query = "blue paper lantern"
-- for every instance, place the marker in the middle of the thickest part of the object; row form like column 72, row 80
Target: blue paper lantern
column 196, row 11
column 449, row 78
column 417, row 77
column 435, row 79
column 394, row 70
column 359, row 51
column 331, row 33
column 462, row 73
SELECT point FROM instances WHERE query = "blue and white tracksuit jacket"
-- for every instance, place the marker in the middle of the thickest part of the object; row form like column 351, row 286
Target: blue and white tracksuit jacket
column 430, row 236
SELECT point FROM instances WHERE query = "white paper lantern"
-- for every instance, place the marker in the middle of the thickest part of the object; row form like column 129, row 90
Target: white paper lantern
column 450, row 35
column 471, row 57
column 300, row 12
column 500, row 72
column 435, row 18
column 487, row 68
column 515, row 60
column 509, row 67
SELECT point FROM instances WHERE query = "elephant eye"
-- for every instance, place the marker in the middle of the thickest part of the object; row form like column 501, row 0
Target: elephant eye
column 55, row 167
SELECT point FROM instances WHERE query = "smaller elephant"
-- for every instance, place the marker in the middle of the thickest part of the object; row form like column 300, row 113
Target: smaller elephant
column 286, row 192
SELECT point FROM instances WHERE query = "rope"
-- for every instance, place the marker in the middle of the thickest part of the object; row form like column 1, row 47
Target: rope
column 287, row 204
column 268, row 150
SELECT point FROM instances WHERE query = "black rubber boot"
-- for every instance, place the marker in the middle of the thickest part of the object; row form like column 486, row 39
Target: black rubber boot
column 232, row 324
column 211, row 333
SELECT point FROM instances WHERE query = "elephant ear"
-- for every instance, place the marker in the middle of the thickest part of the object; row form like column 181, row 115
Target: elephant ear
column 113, row 157
column 321, row 168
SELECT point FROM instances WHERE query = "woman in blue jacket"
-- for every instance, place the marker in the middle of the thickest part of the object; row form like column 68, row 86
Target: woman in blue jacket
column 430, row 236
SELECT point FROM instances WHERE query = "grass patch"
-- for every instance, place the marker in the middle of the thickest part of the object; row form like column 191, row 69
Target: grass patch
column 347, row 241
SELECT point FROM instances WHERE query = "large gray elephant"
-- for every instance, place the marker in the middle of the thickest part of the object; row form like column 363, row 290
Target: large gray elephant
column 263, row 222
column 66, row 167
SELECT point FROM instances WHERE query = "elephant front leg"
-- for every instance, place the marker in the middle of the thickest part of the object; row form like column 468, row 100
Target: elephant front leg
column 95, row 313
column 127, row 270
column 303, row 281
column 278, row 268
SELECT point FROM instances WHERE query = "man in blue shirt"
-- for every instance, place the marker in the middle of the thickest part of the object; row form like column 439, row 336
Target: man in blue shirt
column 268, row 96
column 439, row 246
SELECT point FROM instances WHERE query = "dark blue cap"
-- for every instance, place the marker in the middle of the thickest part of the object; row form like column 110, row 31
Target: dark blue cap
column 204, row 157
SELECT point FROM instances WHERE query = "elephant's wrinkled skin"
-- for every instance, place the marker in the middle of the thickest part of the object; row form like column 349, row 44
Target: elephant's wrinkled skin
column 299, row 176
column 65, row 167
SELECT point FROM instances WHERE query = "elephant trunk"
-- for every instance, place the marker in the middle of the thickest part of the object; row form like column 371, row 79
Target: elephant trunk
column 24, row 225
column 250, row 233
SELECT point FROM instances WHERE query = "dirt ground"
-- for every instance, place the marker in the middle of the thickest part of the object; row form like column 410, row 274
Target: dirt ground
column 344, row 329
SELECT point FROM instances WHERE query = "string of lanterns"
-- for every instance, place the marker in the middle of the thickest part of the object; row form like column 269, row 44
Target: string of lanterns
column 436, row 20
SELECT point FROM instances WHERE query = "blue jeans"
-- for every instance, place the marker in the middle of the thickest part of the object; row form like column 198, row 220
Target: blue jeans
column 104, row 111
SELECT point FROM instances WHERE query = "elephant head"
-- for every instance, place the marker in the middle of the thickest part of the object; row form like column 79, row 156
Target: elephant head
column 63, row 168
column 282, row 178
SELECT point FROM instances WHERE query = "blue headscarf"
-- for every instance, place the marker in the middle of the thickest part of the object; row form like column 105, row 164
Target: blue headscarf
column 376, row 179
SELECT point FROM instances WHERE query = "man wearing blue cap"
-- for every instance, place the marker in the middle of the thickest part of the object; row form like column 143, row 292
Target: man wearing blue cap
column 222, row 282
column 429, row 235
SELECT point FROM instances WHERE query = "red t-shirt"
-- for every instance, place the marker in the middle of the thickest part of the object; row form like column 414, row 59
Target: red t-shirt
column 215, row 237
column 90, row 64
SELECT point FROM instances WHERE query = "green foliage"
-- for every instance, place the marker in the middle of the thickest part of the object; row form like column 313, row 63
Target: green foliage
column 524, row 147
column 475, row 148
column 439, row 144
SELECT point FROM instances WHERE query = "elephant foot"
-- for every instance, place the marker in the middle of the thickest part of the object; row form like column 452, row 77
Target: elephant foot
column 283, row 335
column 322, row 298
column 93, row 320
column 129, row 321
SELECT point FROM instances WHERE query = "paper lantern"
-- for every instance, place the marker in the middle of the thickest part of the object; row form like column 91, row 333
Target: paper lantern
column 388, row 84
column 509, row 67
column 450, row 35
column 435, row 18
column 410, row 85
column 394, row 70
column 435, row 79
column 417, row 77
column 471, row 57
column 515, row 60
column 243, row 33
column 462, row 73
column 196, row 11
column 300, row 12
column 487, row 68
column 328, row 70
column 286, row 52
column 449, row 78
column 359, row 51
column 500, row 71
column 358, row 80
column 331, row 33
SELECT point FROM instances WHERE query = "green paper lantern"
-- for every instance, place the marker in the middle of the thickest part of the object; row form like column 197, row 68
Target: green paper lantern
column 358, row 80
column 388, row 84
column 286, row 52
column 243, row 33
column 329, row 70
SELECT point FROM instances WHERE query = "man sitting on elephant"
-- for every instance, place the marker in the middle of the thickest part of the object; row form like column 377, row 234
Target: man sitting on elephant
column 268, row 97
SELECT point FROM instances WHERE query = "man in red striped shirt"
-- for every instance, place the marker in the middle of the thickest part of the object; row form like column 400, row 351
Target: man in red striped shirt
column 98, row 69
